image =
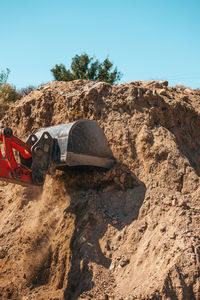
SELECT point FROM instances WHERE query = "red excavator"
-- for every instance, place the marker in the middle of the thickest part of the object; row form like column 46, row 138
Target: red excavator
column 80, row 143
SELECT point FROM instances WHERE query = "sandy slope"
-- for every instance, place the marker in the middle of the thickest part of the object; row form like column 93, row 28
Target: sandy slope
column 129, row 233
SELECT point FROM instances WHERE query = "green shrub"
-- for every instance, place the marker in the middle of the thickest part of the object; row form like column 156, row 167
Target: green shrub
column 89, row 68
column 8, row 93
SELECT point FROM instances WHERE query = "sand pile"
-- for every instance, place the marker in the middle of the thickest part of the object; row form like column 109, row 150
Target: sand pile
column 129, row 233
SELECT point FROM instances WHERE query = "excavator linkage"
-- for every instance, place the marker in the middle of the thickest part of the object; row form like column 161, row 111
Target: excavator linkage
column 10, row 169
column 80, row 143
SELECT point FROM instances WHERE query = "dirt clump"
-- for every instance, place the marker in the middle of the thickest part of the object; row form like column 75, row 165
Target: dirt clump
column 128, row 233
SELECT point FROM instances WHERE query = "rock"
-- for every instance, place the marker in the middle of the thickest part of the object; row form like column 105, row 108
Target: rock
column 163, row 228
column 45, row 88
column 164, row 83
column 163, row 92
column 112, row 266
column 122, row 178
column 188, row 91
column 2, row 253
column 109, row 188
column 155, row 84
column 184, row 98
column 174, row 202
column 154, row 92
column 124, row 261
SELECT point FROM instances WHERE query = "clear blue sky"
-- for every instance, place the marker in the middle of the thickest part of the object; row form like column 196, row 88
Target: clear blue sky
column 145, row 39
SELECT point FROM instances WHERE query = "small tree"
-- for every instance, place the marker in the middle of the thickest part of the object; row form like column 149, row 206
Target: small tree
column 85, row 67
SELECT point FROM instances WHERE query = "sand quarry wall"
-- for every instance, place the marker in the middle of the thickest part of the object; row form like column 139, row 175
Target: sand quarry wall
column 129, row 233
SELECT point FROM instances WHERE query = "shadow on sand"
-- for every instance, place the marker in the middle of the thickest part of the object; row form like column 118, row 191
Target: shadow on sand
column 94, row 210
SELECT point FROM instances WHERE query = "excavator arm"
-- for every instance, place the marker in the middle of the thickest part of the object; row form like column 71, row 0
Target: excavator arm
column 31, row 164
column 10, row 169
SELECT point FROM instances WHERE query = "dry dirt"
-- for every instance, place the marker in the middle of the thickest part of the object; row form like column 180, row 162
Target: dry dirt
column 129, row 233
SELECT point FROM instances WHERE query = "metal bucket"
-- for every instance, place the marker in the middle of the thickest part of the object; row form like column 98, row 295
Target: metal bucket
column 80, row 143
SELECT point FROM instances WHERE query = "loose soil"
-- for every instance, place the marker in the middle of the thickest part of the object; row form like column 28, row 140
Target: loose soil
column 128, row 233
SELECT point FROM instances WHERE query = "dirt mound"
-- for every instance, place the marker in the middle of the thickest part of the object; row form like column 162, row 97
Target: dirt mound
column 128, row 233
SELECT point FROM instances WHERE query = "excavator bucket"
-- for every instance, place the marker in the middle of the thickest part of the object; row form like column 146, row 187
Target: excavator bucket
column 80, row 143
